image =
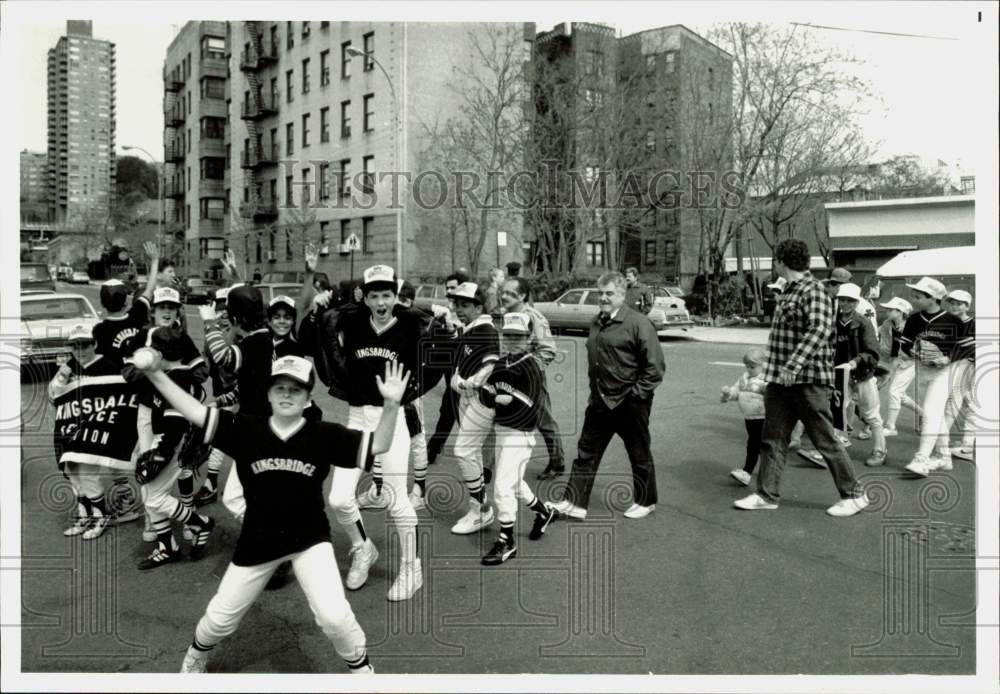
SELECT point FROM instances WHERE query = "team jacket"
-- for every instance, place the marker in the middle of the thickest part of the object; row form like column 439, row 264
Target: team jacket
column 855, row 339
column 113, row 333
column 95, row 417
column 521, row 377
column 478, row 346
column 941, row 329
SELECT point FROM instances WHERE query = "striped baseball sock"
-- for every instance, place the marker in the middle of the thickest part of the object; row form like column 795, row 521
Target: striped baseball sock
column 165, row 535
column 99, row 504
column 477, row 489
column 185, row 488
column 187, row 516
column 507, row 533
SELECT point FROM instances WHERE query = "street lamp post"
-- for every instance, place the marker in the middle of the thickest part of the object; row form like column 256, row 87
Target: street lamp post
column 159, row 218
column 398, row 141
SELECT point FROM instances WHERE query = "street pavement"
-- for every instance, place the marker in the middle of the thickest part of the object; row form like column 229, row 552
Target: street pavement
column 695, row 588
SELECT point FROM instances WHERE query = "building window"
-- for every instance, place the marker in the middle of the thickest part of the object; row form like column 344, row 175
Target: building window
column 595, row 253
column 650, row 140
column 290, row 138
column 305, row 30
column 323, row 233
column 189, row 140
column 324, row 68
column 213, row 128
column 594, row 64
column 259, row 250
column 345, row 118
column 289, row 199
column 651, row 62
column 212, row 47
column 274, row 44
column 345, row 230
column 711, row 74
column 323, row 181
column 650, row 252
column 305, row 76
column 369, row 112
column 274, row 92
column 345, row 60
column 275, row 148
column 213, row 88
column 289, row 253
column 324, row 124
column 968, row 185
column 289, row 81
column 343, row 178
column 711, row 113
column 324, row 25
column 213, row 208
column 305, row 129
column 306, row 188
column 670, row 67
column 272, row 191
column 368, row 175
column 289, row 36
column 213, row 168
column 369, row 44
column 367, row 227
column 189, row 182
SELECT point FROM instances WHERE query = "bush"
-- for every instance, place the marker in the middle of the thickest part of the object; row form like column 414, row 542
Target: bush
column 728, row 299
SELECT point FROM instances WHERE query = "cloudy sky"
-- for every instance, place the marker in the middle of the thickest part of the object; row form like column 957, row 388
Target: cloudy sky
column 927, row 85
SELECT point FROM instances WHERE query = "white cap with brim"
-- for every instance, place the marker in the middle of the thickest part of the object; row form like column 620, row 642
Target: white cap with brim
column 849, row 290
column 899, row 304
column 466, row 290
column 295, row 368
column 81, row 333
column 518, row 323
column 930, row 286
column 222, row 293
column 166, row 295
column 282, row 299
column 379, row 274
column 960, row 295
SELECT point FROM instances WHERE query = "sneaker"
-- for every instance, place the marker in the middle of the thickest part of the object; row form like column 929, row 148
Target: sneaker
column 195, row 660
column 863, row 435
column 965, row 453
column 365, row 669
column 875, row 459
column 362, row 558
column 848, row 507
column 501, row 551
column 79, row 526
column 96, row 528
column 160, row 556
column 199, row 538
column 541, row 524
column 923, row 465
column 206, row 495
column 372, row 500
column 281, row 576
column 417, row 500
column 754, row 502
column 741, row 476
column 890, row 432
column 570, row 510
column 637, row 511
column 551, row 472
column 478, row 517
column 409, row 580
column 148, row 534
column 942, row 461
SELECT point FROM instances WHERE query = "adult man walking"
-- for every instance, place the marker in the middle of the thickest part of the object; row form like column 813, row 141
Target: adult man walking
column 799, row 373
column 625, row 365
column 637, row 296
column 514, row 297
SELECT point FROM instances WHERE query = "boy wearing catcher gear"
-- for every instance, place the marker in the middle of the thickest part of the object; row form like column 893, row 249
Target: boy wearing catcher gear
column 513, row 392
column 281, row 462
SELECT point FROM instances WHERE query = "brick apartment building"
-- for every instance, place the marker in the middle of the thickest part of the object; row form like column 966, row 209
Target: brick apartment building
column 34, row 198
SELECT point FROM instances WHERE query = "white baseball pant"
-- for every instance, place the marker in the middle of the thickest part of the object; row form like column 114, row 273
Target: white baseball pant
column 903, row 373
column 474, row 424
column 933, row 391
column 866, row 394
column 513, row 454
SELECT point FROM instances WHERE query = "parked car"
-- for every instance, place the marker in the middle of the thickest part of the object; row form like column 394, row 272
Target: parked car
column 197, row 291
column 64, row 273
column 427, row 295
column 46, row 319
column 290, row 277
column 272, row 289
column 79, row 277
column 576, row 308
column 671, row 300
column 37, row 277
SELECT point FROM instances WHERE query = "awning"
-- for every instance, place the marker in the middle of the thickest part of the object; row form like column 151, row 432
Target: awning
column 763, row 264
column 932, row 262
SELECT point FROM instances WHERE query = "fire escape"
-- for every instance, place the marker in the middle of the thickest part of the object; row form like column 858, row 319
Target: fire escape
column 257, row 106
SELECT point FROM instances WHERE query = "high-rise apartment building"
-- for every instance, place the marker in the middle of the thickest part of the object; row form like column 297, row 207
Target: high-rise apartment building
column 195, row 147
column 314, row 127
column 81, row 124
column 35, row 206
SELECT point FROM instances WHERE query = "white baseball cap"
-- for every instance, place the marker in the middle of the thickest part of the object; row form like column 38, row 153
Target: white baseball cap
column 295, row 368
column 899, row 304
column 517, row 323
column 282, row 299
column 960, row 295
column 778, row 284
column 222, row 293
column 379, row 273
column 113, row 283
column 469, row 291
column 930, row 286
column 166, row 295
column 80, row 332
column 849, row 290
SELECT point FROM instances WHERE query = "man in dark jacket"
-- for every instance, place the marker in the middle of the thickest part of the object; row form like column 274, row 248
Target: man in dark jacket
column 856, row 349
column 637, row 296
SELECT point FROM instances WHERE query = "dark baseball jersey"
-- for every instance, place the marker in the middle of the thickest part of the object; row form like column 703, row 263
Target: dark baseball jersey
column 519, row 376
column 478, row 346
column 113, row 333
column 95, row 417
column 287, row 346
column 940, row 329
column 966, row 348
column 366, row 350
column 282, row 479
column 186, row 368
column 250, row 359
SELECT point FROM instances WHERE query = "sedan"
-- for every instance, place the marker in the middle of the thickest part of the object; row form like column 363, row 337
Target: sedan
column 79, row 277
column 427, row 295
column 46, row 320
column 576, row 309
column 198, row 291
column 671, row 301
column 269, row 290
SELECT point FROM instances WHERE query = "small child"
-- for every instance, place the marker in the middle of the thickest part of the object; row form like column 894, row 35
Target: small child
column 748, row 391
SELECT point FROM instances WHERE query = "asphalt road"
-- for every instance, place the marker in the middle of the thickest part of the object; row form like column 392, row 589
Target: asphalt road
column 695, row 588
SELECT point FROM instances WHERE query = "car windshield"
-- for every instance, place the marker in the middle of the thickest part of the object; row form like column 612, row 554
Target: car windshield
column 197, row 283
column 34, row 272
column 55, row 309
column 675, row 291
column 571, row 297
column 593, row 298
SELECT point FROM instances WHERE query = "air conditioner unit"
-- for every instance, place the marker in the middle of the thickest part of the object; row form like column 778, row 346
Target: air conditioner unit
column 324, row 250
column 270, row 257
column 345, row 249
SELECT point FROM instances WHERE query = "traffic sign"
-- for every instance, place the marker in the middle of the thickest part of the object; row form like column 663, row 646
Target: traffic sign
column 353, row 242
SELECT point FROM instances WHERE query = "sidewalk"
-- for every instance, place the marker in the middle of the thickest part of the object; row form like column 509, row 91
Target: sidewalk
column 739, row 336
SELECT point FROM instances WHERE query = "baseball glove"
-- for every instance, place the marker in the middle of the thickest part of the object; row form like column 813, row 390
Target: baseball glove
column 149, row 464
column 193, row 452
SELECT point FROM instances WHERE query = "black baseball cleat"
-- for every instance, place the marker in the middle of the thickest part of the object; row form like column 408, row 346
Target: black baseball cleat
column 206, row 496
column 199, row 541
column 501, row 552
column 160, row 556
column 541, row 523
column 281, row 576
column 551, row 472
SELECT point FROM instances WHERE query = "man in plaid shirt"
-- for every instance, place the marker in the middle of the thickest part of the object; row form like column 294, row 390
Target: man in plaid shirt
column 799, row 375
